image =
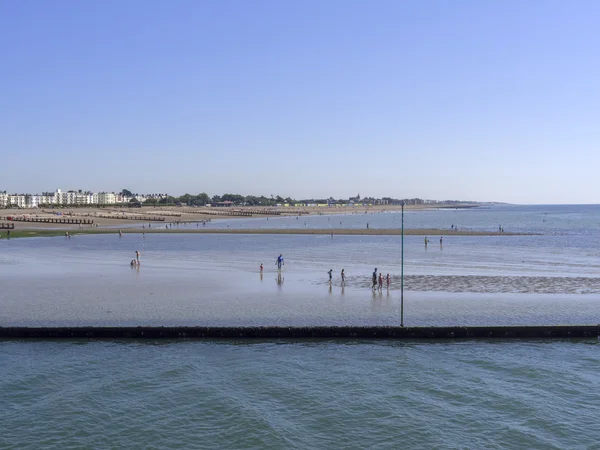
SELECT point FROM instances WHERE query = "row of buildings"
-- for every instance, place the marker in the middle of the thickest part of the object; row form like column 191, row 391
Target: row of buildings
column 70, row 198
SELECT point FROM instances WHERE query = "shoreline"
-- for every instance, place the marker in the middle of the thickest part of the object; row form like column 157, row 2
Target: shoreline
column 36, row 232
column 295, row 333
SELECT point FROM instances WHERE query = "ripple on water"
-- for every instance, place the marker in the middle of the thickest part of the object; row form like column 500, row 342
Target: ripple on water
column 316, row 394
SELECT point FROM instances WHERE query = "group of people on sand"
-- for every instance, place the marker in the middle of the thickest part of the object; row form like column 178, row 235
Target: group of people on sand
column 378, row 280
column 278, row 262
column 342, row 276
column 135, row 262
column 441, row 241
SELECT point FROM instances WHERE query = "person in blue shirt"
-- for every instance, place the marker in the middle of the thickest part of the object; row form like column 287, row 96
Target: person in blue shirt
column 279, row 262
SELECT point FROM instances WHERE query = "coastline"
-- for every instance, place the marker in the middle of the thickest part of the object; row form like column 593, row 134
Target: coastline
column 33, row 232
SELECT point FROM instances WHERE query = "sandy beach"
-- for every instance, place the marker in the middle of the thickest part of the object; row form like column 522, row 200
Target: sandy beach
column 110, row 217
column 432, row 232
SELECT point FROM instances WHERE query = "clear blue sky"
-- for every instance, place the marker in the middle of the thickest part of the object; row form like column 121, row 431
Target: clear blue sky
column 473, row 100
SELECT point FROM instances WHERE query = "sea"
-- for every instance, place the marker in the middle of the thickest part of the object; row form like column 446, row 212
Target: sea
column 308, row 394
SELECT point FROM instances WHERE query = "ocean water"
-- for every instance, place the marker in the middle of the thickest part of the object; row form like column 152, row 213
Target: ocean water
column 308, row 394
column 582, row 220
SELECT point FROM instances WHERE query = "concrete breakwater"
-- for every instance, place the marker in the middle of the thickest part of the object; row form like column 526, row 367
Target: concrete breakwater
column 319, row 332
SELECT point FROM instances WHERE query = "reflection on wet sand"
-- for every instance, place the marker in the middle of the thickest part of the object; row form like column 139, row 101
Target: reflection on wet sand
column 489, row 284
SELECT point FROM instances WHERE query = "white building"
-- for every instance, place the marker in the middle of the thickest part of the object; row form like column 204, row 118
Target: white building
column 17, row 201
column 84, row 198
column 3, row 199
column 106, row 198
column 33, row 201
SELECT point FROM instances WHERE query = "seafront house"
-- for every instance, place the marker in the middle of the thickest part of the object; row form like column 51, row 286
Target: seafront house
column 107, row 198
column 68, row 198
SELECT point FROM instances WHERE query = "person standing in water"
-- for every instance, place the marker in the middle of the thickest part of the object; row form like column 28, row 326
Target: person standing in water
column 380, row 281
column 375, row 278
column 343, row 275
column 387, row 280
column 261, row 267
column 137, row 256
column 441, row 240
column 279, row 262
column 330, row 273
column 426, row 241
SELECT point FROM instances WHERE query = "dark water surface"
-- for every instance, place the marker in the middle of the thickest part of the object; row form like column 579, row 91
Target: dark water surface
column 317, row 394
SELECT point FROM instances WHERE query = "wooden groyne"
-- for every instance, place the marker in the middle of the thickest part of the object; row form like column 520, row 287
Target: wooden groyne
column 243, row 213
column 267, row 212
column 124, row 217
column 320, row 332
column 61, row 220
column 7, row 226
column 226, row 212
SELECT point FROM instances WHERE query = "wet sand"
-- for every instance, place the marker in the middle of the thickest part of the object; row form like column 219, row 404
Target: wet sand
column 117, row 216
column 481, row 284
column 159, row 228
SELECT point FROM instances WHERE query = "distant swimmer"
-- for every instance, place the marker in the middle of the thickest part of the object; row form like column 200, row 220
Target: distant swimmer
column 330, row 273
column 375, row 278
column 279, row 262
column 343, row 275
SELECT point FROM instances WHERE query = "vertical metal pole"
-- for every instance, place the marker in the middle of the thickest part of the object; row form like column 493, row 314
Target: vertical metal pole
column 402, row 273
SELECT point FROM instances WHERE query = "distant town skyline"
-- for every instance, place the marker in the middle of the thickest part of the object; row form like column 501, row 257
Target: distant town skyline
column 129, row 194
column 80, row 197
column 479, row 101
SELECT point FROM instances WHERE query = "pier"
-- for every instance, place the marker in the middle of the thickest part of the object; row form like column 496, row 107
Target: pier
column 299, row 333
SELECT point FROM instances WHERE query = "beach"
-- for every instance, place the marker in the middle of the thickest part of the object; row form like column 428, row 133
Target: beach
column 122, row 216
column 310, row 393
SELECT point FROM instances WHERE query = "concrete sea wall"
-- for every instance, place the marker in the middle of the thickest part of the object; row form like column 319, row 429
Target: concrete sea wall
column 379, row 332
